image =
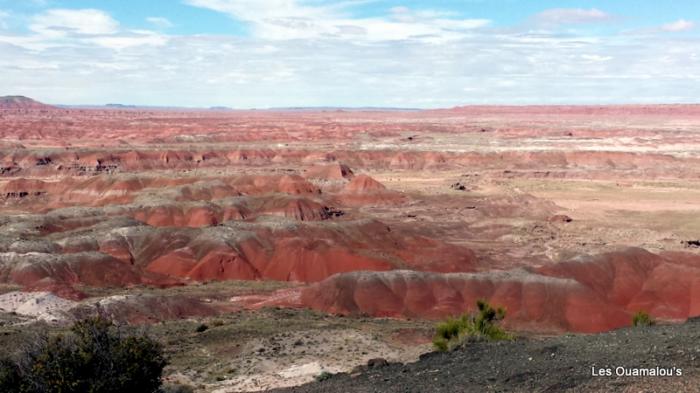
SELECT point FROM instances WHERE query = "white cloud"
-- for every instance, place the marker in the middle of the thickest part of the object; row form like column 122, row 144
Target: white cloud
column 81, row 29
column 243, row 72
column 407, row 58
column 595, row 58
column 61, row 22
column 679, row 25
column 256, row 10
column 565, row 16
column 160, row 22
column 405, row 14
column 130, row 39
column 291, row 19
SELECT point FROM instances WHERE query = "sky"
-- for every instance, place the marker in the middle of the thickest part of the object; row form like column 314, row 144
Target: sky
column 350, row 53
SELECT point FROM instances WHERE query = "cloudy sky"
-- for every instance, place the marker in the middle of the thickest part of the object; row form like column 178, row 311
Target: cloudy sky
column 389, row 53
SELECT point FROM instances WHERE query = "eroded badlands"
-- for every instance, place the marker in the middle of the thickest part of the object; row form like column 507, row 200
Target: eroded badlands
column 573, row 218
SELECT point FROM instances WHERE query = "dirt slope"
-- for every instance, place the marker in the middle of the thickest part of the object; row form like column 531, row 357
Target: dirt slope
column 558, row 364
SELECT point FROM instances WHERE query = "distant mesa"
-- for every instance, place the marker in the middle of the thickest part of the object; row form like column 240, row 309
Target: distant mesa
column 150, row 107
column 21, row 102
column 120, row 106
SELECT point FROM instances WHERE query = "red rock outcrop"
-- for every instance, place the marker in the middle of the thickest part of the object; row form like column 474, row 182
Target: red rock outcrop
column 291, row 259
column 335, row 171
column 533, row 301
column 364, row 190
column 209, row 214
column 560, row 163
column 586, row 295
column 636, row 279
column 288, row 252
column 193, row 217
column 289, row 184
column 106, row 190
column 61, row 272
column 298, row 208
column 364, row 184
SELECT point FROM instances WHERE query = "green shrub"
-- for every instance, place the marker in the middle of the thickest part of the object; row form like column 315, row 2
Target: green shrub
column 482, row 325
column 95, row 357
column 642, row 318
column 323, row 376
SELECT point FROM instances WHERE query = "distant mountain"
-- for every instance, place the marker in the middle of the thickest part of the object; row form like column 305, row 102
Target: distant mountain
column 145, row 107
column 343, row 109
column 121, row 106
column 220, row 108
column 21, row 102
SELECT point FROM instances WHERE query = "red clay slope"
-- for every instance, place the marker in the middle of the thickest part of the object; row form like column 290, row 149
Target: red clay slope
column 58, row 273
column 364, row 190
column 587, row 295
column 286, row 251
column 307, row 253
column 335, row 171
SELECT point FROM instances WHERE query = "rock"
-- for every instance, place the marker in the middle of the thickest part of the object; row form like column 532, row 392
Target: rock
column 377, row 363
column 560, row 218
column 691, row 243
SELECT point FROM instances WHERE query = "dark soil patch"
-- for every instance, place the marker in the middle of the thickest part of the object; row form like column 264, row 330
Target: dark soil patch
column 556, row 364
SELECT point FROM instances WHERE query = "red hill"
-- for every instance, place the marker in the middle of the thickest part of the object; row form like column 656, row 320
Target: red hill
column 21, row 102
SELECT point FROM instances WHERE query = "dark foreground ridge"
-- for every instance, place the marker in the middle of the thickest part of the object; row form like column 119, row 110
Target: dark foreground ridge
column 556, row 364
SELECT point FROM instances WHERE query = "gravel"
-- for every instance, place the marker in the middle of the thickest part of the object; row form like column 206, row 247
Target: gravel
column 554, row 364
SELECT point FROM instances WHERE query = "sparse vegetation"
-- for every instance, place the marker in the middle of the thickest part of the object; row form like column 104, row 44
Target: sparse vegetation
column 323, row 376
column 482, row 325
column 96, row 356
column 202, row 328
column 642, row 318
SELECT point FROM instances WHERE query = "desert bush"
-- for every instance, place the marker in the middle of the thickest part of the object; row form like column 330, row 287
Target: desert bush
column 325, row 375
column 448, row 331
column 202, row 328
column 481, row 325
column 642, row 318
column 95, row 357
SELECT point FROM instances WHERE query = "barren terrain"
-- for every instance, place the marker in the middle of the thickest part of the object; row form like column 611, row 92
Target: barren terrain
column 312, row 241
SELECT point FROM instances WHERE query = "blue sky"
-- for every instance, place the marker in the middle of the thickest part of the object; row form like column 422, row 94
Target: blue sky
column 410, row 53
